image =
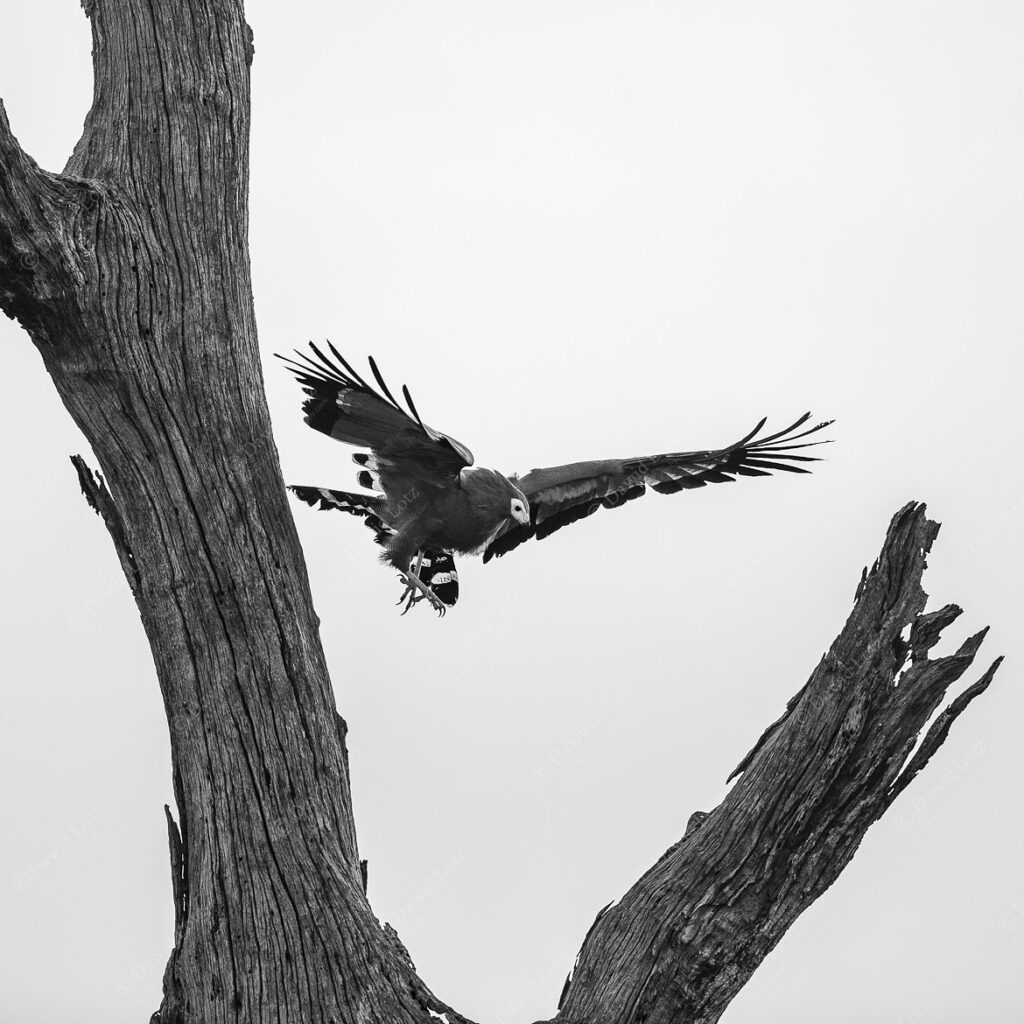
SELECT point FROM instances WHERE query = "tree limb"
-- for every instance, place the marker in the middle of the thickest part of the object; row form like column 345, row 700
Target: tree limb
column 44, row 235
column 682, row 942
column 20, row 179
column 99, row 499
column 179, row 889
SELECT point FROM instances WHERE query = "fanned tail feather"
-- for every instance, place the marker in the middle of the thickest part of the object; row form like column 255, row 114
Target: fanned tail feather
column 437, row 571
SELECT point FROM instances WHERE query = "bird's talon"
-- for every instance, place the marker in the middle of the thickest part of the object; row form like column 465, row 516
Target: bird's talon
column 415, row 591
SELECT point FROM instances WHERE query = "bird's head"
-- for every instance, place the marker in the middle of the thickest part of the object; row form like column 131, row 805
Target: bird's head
column 496, row 495
column 520, row 508
column 517, row 505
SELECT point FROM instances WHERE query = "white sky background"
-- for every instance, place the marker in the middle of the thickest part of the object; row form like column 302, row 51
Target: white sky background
column 576, row 230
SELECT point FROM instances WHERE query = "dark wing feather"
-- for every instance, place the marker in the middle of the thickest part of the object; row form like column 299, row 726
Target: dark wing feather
column 344, row 406
column 369, row 507
column 562, row 495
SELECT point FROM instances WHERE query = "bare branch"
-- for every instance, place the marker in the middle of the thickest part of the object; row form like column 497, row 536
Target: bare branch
column 20, row 176
column 40, row 236
column 939, row 730
column 24, row 228
column 98, row 497
column 682, row 942
column 179, row 889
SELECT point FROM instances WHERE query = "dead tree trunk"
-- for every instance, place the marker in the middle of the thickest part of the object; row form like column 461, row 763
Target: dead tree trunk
column 130, row 273
column 689, row 934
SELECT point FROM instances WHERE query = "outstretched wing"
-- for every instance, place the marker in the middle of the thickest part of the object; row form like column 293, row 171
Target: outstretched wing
column 561, row 495
column 342, row 405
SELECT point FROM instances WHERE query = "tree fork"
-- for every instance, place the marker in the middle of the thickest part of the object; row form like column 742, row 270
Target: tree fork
column 130, row 272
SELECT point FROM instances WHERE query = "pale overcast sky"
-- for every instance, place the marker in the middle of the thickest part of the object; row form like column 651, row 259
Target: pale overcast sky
column 576, row 230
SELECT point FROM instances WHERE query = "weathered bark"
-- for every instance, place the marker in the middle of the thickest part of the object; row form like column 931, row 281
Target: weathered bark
column 130, row 273
column 692, row 930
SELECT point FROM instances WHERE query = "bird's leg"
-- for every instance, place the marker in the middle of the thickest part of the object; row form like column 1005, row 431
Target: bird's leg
column 414, row 583
column 416, row 590
column 411, row 595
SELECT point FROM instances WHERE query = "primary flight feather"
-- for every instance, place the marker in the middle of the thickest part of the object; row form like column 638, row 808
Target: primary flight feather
column 432, row 503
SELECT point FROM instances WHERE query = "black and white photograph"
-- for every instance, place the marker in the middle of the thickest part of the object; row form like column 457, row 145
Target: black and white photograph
column 381, row 641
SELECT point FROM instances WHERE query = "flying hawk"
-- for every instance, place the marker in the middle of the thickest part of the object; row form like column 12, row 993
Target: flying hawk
column 431, row 502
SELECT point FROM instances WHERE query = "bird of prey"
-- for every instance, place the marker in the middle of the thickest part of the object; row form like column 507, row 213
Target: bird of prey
column 431, row 502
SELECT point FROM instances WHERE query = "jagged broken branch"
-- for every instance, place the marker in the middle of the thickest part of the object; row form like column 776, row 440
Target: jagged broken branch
column 683, row 941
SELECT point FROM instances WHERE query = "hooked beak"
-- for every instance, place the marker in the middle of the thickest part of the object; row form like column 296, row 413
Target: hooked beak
column 522, row 516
